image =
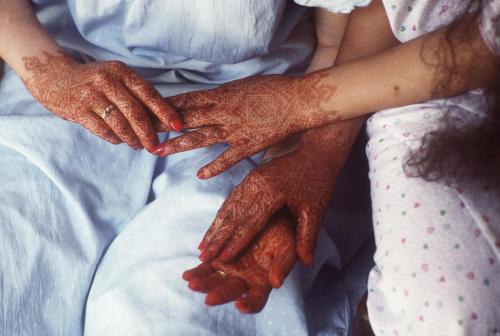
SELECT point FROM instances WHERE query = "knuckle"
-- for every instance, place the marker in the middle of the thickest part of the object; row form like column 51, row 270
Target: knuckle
column 102, row 77
column 117, row 65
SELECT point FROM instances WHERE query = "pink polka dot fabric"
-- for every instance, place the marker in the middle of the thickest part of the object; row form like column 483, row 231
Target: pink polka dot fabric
column 438, row 246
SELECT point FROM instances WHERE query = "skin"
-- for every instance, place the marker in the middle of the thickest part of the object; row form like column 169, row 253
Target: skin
column 247, row 115
column 396, row 77
column 304, row 179
column 81, row 92
column 284, row 244
column 251, row 277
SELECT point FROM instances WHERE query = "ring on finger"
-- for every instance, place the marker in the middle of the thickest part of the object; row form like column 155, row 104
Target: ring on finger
column 221, row 274
column 107, row 111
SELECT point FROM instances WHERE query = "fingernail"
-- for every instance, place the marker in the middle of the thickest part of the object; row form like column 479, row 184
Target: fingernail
column 203, row 255
column 157, row 150
column 202, row 245
column 193, row 285
column 176, row 125
column 309, row 260
column 243, row 308
column 201, row 174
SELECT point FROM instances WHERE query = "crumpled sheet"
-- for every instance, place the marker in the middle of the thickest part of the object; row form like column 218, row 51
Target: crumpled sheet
column 72, row 211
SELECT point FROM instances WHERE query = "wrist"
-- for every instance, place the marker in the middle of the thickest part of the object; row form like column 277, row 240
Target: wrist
column 41, row 68
column 315, row 100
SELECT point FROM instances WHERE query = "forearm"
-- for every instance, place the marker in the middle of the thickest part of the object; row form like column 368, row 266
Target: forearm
column 409, row 73
column 367, row 32
column 22, row 35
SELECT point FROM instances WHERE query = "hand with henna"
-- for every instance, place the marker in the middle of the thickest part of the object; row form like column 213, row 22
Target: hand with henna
column 107, row 98
column 249, row 279
column 249, row 115
column 302, row 181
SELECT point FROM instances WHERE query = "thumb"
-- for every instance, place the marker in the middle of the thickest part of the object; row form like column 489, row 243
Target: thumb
column 309, row 222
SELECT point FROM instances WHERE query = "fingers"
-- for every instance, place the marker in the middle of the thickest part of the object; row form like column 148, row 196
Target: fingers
column 195, row 118
column 309, row 222
column 116, row 121
column 223, row 211
column 207, row 283
column 191, row 140
column 248, row 224
column 222, row 163
column 191, row 100
column 97, row 126
column 148, row 95
column 281, row 266
column 231, row 290
column 221, row 234
column 242, row 215
column 201, row 270
column 132, row 109
column 254, row 301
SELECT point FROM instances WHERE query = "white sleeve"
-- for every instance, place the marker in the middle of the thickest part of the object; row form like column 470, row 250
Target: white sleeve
column 336, row 6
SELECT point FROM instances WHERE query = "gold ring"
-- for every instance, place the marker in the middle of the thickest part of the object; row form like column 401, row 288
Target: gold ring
column 222, row 274
column 107, row 111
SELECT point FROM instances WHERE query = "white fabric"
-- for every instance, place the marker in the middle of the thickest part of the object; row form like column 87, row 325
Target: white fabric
column 344, row 6
column 438, row 247
column 413, row 18
column 66, row 195
column 138, row 288
column 489, row 24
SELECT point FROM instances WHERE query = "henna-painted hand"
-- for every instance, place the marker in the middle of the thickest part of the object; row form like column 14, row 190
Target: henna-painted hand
column 302, row 180
column 264, row 265
column 82, row 92
column 249, row 115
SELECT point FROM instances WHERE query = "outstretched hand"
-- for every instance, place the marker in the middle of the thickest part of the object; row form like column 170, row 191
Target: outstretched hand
column 249, row 115
column 249, row 279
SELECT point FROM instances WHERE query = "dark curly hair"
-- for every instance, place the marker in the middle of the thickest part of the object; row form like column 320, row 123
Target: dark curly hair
column 460, row 150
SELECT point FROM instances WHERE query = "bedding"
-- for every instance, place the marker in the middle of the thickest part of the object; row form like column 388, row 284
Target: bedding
column 94, row 237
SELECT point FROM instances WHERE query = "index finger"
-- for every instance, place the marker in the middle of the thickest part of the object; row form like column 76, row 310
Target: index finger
column 133, row 112
column 149, row 96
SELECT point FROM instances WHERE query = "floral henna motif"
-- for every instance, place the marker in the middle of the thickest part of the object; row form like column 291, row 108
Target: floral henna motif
column 82, row 92
column 302, row 180
column 250, row 277
column 250, row 115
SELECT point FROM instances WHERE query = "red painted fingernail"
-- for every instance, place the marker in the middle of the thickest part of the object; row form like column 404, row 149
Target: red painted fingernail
column 193, row 285
column 202, row 244
column 176, row 125
column 157, row 150
column 203, row 256
column 201, row 174
column 309, row 260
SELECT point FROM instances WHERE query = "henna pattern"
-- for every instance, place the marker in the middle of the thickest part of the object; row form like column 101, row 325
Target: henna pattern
column 251, row 277
column 302, row 180
column 81, row 92
column 249, row 114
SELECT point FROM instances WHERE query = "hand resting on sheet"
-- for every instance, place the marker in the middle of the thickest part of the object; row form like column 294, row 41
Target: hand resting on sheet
column 83, row 92
column 251, row 276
